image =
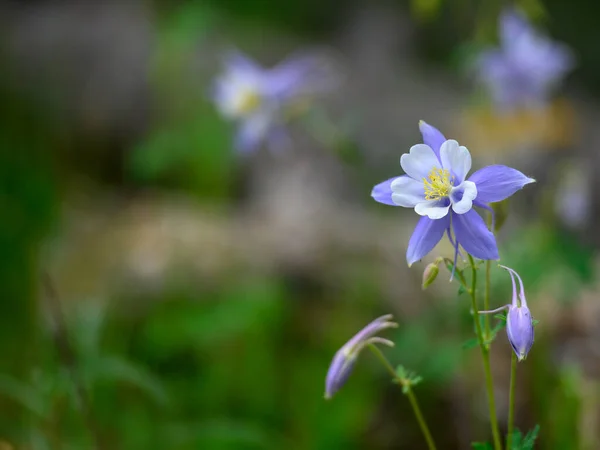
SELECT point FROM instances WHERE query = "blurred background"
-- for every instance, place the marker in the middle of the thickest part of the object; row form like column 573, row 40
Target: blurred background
column 160, row 290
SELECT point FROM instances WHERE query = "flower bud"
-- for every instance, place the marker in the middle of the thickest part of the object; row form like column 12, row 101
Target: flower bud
column 430, row 274
column 519, row 323
column 519, row 328
column 344, row 360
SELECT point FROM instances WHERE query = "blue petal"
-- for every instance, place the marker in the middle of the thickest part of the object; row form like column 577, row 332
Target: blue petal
column 427, row 234
column 473, row 235
column 495, row 183
column 519, row 329
column 383, row 192
column 432, row 137
column 340, row 369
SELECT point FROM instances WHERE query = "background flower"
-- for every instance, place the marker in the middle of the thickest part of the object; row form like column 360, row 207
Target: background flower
column 261, row 100
column 526, row 67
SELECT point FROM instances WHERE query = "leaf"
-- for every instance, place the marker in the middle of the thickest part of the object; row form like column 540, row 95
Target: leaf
column 524, row 443
column 471, row 343
column 114, row 368
column 461, row 290
column 23, row 394
column 482, row 446
column 529, row 440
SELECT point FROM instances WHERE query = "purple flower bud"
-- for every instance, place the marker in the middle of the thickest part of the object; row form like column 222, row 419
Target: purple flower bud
column 345, row 358
column 519, row 323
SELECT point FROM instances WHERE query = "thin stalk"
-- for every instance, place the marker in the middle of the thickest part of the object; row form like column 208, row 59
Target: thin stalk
column 485, row 356
column 511, row 401
column 486, row 299
column 409, row 393
column 69, row 360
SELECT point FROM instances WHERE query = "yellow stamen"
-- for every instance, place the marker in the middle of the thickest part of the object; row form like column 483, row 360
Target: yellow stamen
column 437, row 184
column 248, row 101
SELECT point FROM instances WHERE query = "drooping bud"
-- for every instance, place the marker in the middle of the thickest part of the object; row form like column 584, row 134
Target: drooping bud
column 431, row 272
column 519, row 323
column 345, row 358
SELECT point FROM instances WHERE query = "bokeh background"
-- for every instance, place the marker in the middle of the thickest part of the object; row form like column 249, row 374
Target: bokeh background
column 157, row 290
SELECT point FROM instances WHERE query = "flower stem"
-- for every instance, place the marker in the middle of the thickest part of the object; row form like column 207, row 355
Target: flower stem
column 486, row 299
column 511, row 401
column 485, row 355
column 407, row 389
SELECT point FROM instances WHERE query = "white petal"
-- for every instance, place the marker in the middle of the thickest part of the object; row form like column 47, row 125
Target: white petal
column 469, row 193
column 419, row 161
column 456, row 159
column 407, row 192
column 434, row 209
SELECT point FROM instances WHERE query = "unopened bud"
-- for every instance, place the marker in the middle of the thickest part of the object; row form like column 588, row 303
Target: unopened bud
column 519, row 328
column 519, row 323
column 344, row 360
column 431, row 272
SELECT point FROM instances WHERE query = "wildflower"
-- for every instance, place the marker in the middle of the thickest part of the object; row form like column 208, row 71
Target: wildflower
column 526, row 67
column 260, row 100
column 435, row 185
column 519, row 323
column 345, row 358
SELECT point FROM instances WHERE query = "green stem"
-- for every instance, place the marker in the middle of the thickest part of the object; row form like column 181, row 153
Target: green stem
column 486, row 299
column 511, row 401
column 485, row 355
column 409, row 393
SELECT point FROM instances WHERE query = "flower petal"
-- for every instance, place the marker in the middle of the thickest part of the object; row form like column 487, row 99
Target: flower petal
column 495, row 183
column 419, row 161
column 382, row 192
column 455, row 158
column 434, row 209
column 462, row 197
column 473, row 235
column 251, row 133
column 432, row 137
column 425, row 237
column 407, row 192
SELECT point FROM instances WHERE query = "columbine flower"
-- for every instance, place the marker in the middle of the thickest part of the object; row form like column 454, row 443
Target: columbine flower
column 259, row 100
column 436, row 186
column 526, row 67
column 345, row 358
column 519, row 323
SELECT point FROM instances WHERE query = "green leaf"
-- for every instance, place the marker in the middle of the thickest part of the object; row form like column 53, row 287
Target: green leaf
column 482, row 446
column 529, row 440
column 117, row 369
column 524, row 443
column 24, row 394
column 471, row 343
column 461, row 289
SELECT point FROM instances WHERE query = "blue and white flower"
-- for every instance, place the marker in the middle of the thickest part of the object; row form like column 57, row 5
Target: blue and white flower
column 259, row 100
column 437, row 187
column 526, row 67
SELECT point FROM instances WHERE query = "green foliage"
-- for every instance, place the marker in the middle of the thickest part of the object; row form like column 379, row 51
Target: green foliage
column 482, row 446
column 409, row 378
column 527, row 442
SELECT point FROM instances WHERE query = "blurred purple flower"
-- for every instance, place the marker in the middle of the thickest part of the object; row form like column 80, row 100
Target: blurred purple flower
column 435, row 185
column 259, row 100
column 519, row 323
column 525, row 68
column 345, row 358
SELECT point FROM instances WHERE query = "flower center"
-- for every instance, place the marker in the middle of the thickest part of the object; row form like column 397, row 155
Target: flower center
column 438, row 184
column 248, row 100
